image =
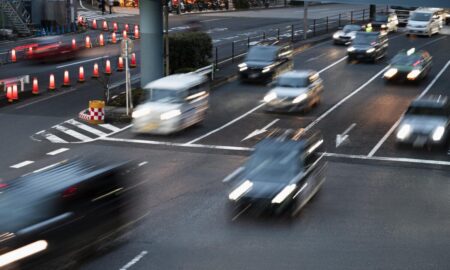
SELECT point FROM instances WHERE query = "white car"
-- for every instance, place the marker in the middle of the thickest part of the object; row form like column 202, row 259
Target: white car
column 423, row 22
column 347, row 34
column 295, row 91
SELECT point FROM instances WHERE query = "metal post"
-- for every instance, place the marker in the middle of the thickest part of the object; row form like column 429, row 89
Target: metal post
column 217, row 58
column 248, row 41
column 292, row 33
column 351, row 16
column 232, row 52
column 305, row 20
column 278, row 34
column 166, row 41
column 127, row 95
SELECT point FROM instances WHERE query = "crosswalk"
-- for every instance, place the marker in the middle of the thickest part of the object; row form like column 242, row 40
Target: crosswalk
column 97, row 15
column 74, row 131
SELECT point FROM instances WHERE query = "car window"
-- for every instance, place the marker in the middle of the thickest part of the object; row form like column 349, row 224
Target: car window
column 166, row 96
column 381, row 18
column 364, row 39
column 262, row 53
column 274, row 162
column 426, row 111
column 421, row 17
column 403, row 59
column 350, row 28
column 294, row 82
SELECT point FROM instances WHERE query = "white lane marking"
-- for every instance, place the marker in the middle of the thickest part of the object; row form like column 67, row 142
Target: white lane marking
column 134, row 260
column 52, row 138
column 58, row 151
column 391, row 130
column 81, row 62
column 49, row 166
column 333, row 64
column 257, row 132
column 391, row 159
column 241, row 212
column 226, row 125
column 211, row 20
column 220, row 147
column 73, row 133
column 345, row 99
column 110, row 127
column 142, row 163
column 22, row 164
column 340, row 138
column 85, row 127
column 315, row 58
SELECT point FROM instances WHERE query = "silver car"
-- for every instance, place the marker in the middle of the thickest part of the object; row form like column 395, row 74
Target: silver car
column 295, row 91
column 346, row 35
column 426, row 122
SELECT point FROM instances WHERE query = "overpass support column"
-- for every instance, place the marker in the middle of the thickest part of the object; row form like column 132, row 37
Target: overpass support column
column 152, row 57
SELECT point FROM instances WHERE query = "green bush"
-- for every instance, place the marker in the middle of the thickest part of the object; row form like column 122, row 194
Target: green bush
column 241, row 4
column 189, row 51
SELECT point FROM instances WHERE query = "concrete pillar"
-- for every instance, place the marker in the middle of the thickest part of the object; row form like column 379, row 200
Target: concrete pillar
column 152, row 57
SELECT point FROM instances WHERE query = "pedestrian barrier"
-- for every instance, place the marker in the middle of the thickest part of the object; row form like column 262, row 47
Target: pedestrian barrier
column 95, row 114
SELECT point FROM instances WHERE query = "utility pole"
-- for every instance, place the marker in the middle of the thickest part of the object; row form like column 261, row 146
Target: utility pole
column 305, row 19
column 166, row 40
column 373, row 10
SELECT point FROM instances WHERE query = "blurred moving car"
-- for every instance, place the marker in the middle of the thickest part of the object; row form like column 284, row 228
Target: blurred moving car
column 426, row 122
column 52, row 50
column 283, row 173
column 264, row 62
column 409, row 65
column 55, row 214
column 385, row 22
column 347, row 34
column 173, row 103
column 297, row 90
column 423, row 22
column 368, row 46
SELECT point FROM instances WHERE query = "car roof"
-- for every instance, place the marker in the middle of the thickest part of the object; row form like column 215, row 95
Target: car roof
column 176, row 81
column 297, row 74
column 416, row 53
column 431, row 101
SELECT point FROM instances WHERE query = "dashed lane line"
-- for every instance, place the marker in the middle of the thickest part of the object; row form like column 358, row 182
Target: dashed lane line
column 22, row 164
column 134, row 260
column 58, row 151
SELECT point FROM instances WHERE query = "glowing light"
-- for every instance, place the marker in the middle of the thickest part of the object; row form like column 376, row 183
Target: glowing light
column 438, row 133
column 390, row 73
column 300, row 98
column 269, row 97
column 413, row 74
column 23, row 252
column 240, row 190
column 404, row 132
column 284, row 194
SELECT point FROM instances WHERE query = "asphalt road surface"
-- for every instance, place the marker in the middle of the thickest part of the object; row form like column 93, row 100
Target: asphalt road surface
column 380, row 208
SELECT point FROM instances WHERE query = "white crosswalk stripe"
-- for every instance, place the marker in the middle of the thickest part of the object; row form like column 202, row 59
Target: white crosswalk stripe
column 110, row 127
column 97, row 15
column 53, row 138
column 73, row 133
column 86, row 127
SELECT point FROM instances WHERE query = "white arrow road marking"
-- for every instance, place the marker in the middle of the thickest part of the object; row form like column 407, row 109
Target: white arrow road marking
column 340, row 138
column 260, row 131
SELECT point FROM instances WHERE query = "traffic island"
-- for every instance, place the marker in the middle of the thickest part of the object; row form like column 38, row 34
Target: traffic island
column 115, row 109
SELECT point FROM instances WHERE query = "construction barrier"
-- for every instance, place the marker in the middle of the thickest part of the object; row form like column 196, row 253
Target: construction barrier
column 95, row 114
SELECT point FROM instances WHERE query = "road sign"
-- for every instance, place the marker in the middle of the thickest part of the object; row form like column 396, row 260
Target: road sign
column 124, row 45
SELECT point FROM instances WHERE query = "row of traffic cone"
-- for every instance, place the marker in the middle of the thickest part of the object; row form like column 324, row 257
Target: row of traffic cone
column 115, row 27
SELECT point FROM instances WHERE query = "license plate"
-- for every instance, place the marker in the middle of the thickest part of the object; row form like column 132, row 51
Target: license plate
column 420, row 141
column 253, row 75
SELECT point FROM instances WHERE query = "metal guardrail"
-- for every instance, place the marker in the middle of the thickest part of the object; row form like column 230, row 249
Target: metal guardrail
column 22, row 80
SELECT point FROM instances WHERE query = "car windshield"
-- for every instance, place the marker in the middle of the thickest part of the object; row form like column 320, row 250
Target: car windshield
column 381, row 18
column 364, row 39
column 262, row 53
column 165, row 96
column 405, row 60
column 294, row 82
column 403, row 8
column 425, row 111
column 350, row 28
column 420, row 17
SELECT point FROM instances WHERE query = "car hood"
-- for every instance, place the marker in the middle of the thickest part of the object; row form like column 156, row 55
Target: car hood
column 157, row 108
column 424, row 123
column 362, row 47
column 288, row 92
column 346, row 33
column 403, row 68
column 264, row 190
column 258, row 64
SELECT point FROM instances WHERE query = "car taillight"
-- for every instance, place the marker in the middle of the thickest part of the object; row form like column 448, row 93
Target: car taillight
column 70, row 192
column 3, row 185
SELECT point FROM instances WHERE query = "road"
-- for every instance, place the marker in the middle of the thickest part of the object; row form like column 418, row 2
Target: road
column 380, row 208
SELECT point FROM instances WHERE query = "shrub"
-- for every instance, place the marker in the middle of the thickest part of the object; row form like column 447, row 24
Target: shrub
column 189, row 51
column 241, row 4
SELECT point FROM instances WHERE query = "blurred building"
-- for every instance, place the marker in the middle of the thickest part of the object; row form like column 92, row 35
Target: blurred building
column 25, row 15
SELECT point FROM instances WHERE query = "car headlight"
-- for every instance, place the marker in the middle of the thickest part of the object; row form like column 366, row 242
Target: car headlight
column 270, row 96
column 404, row 132
column 413, row 74
column 383, row 26
column 336, row 36
column 390, row 73
column 280, row 197
column 170, row 114
column 351, row 49
column 438, row 133
column 266, row 69
column 300, row 98
column 371, row 50
column 240, row 190
column 141, row 112
column 242, row 67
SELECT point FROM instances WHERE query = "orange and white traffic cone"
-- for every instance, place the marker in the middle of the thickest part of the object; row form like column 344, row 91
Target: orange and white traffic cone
column 120, row 64
column 74, row 44
column 66, row 81
column 113, row 38
column 35, row 89
column 127, row 27
column 133, row 61
column 88, row 42
column 101, row 40
column 105, row 26
column 94, row 24
column 51, row 83
column 9, row 95
column 115, row 28
column 108, row 67
column 124, row 34
column 95, row 73
column 136, row 32
column 15, row 93
column 13, row 56
column 81, row 75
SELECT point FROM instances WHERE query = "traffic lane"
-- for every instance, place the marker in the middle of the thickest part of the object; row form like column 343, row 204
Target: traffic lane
column 364, row 217
column 375, row 109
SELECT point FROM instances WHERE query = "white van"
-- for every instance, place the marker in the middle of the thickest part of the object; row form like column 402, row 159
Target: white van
column 173, row 103
column 424, row 22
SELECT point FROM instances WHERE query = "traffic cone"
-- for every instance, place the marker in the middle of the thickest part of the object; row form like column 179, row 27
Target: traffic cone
column 15, row 93
column 9, row 94
column 101, row 40
column 30, row 51
column 51, row 83
column 127, row 27
column 35, row 89
column 136, row 33
column 66, row 81
column 115, row 28
column 94, row 24
column 81, row 75
column 108, row 67
column 88, row 42
column 113, row 38
column 74, row 44
column 105, row 26
column 13, row 56
column 124, row 34
column 133, row 60
column 120, row 64
column 95, row 71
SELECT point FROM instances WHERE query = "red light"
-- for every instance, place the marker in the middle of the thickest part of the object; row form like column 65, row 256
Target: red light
column 3, row 185
column 416, row 63
column 70, row 192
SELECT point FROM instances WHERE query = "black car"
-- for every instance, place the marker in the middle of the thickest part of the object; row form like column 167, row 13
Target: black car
column 283, row 173
column 370, row 46
column 385, row 22
column 264, row 62
column 409, row 65
column 49, row 216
